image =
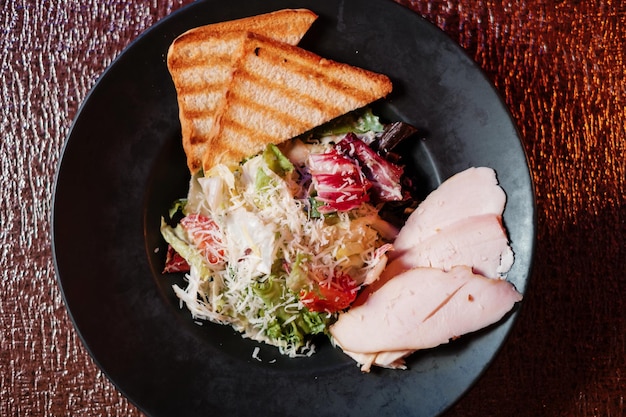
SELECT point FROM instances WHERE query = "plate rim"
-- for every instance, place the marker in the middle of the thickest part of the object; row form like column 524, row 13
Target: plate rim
column 102, row 79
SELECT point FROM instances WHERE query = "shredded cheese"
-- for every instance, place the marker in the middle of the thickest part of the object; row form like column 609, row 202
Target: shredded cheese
column 262, row 232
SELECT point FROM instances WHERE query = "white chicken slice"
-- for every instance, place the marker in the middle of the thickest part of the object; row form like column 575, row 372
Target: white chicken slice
column 423, row 308
column 391, row 360
column 472, row 192
column 479, row 241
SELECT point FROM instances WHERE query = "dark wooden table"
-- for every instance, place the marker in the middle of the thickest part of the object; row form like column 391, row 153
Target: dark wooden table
column 561, row 68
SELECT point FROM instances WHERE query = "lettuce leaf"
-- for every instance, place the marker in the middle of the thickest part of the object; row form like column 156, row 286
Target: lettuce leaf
column 284, row 327
column 358, row 121
column 177, row 238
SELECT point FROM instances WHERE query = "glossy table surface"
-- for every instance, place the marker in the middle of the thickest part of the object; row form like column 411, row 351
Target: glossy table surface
column 560, row 67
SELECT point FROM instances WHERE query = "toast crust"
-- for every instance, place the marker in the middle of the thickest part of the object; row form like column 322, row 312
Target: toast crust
column 287, row 25
column 279, row 91
column 202, row 60
column 244, row 83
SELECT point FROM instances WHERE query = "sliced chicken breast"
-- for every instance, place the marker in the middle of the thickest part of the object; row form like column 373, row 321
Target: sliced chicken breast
column 479, row 241
column 472, row 192
column 423, row 308
column 391, row 360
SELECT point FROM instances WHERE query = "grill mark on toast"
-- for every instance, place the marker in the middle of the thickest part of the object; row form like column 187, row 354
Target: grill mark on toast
column 191, row 98
column 279, row 92
column 304, row 70
column 215, row 46
column 238, row 129
column 196, row 140
column 212, row 58
column 291, row 109
column 202, row 63
column 288, row 92
column 287, row 24
column 276, row 115
column 199, row 115
column 355, row 82
column 200, row 89
column 179, row 63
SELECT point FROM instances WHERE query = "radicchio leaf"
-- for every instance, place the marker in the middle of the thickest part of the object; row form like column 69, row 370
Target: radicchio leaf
column 384, row 176
column 338, row 180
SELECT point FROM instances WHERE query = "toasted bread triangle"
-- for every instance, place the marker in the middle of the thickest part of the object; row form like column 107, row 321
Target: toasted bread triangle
column 201, row 62
column 279, row 91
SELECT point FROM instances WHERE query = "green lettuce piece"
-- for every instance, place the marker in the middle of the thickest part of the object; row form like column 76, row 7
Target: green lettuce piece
column 276, row 161
column 270, row 290
column 358, row 121
column 262, row 181
column 284, row 327
column 177, row 210
column 313, row 322
column 296, row 331
column 298, row 276
column 314, row 205
column 176, row 237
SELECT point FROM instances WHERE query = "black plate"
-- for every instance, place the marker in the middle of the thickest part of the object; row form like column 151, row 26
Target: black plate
column 123, row 165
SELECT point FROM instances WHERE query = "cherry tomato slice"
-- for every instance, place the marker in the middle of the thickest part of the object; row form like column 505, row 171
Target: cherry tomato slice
column 330, row 297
